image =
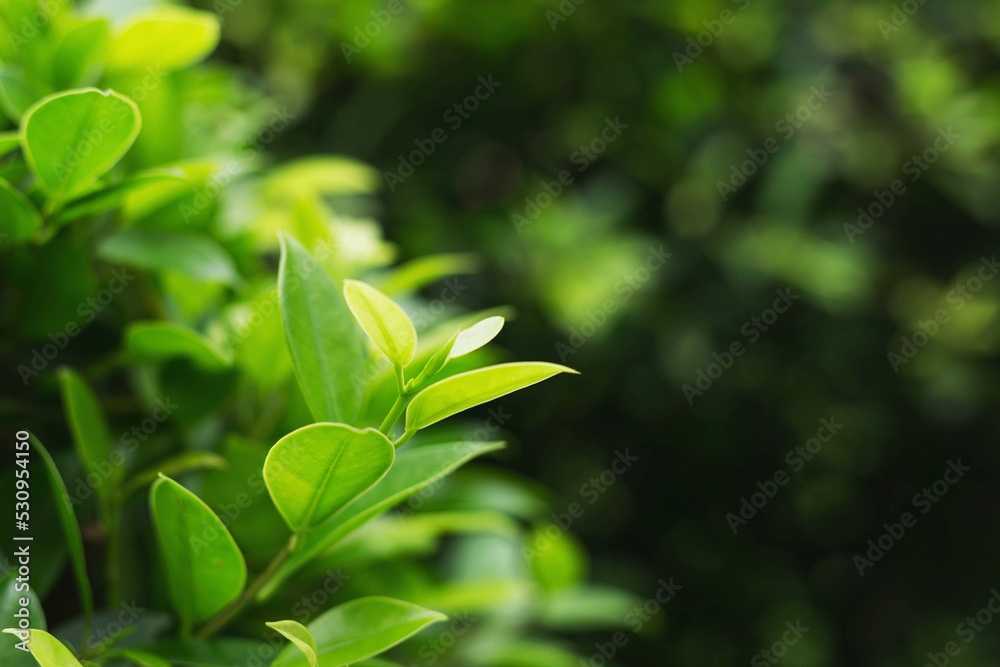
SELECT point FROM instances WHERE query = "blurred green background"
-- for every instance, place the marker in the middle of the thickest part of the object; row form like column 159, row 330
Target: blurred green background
column 643, row 181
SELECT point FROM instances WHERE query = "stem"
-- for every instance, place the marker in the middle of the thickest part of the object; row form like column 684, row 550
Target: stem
column 227, row 614
column 398, row 442
column 393, row 416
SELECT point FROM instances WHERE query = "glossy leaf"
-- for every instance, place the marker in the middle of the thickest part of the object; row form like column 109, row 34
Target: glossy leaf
column 205, row 569
column 299, row 635
column 476, row 336
column 70, row 529
column 20, row 220
column 71, row 139
column 360, row 629
column 90, row 431
column 466, row 390
column 412, row 471
column 313, row 472
column 196, row 256
column 48, row 651
column 383, row 320
column 322, row 336
column 165, row 37
column 159, row 341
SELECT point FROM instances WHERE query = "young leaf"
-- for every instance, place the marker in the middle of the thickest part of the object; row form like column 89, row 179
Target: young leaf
column 360, row 629
column 205, row 569
column 297, row 633
column 383, row 320
column 165, row 37
column 315, row 471
column 48, row 651
column 196, row 256
column 70, row 139
column 323, row 339
column 476, row 336
column 90, row 431
column 158, row 341
column 20, row 220
column 412, row 471
column 71, row 529
column 465, row 390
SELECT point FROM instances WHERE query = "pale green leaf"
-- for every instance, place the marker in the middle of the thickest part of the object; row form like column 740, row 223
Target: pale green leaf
column 48, row 651
column 323, row 338
column 383, row 320
column 205, row 569
column 299, row 635
column 360, row 629
column 167, row 37
column 465, row 390
column 71, row 139
column 476, row 336
column 313, row 472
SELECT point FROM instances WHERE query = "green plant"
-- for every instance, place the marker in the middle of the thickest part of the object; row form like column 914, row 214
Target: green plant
column 126, row 200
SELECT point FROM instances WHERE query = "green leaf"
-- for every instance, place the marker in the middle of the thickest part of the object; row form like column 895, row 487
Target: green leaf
column 383, row 320
column 159, row 341
column 183, row 462
column 70, row 528
column 476, row 336
column 313, row 472
column 90, row 431
column 48, row 651
column 17, row 94
column 71, row 139
column 165, row 37
column 360, row 629
column 194, row 255
column 412, row 471
column 297, row 633
column 205, row 569
column 10, row 603
column 324, row 342
column 20, row 220
column 465, row 390
column 113, row 195
column 79, row 58
column 561, row 561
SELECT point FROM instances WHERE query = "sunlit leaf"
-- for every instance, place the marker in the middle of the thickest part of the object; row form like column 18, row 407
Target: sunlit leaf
column 323, row 338
column 315, row 471
column 48, row 651
column 383, row 320
column 166, row 37
column 71, row 139
column 465, row 390
column 476, row 336
column 360, row 629
column 297, row 633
